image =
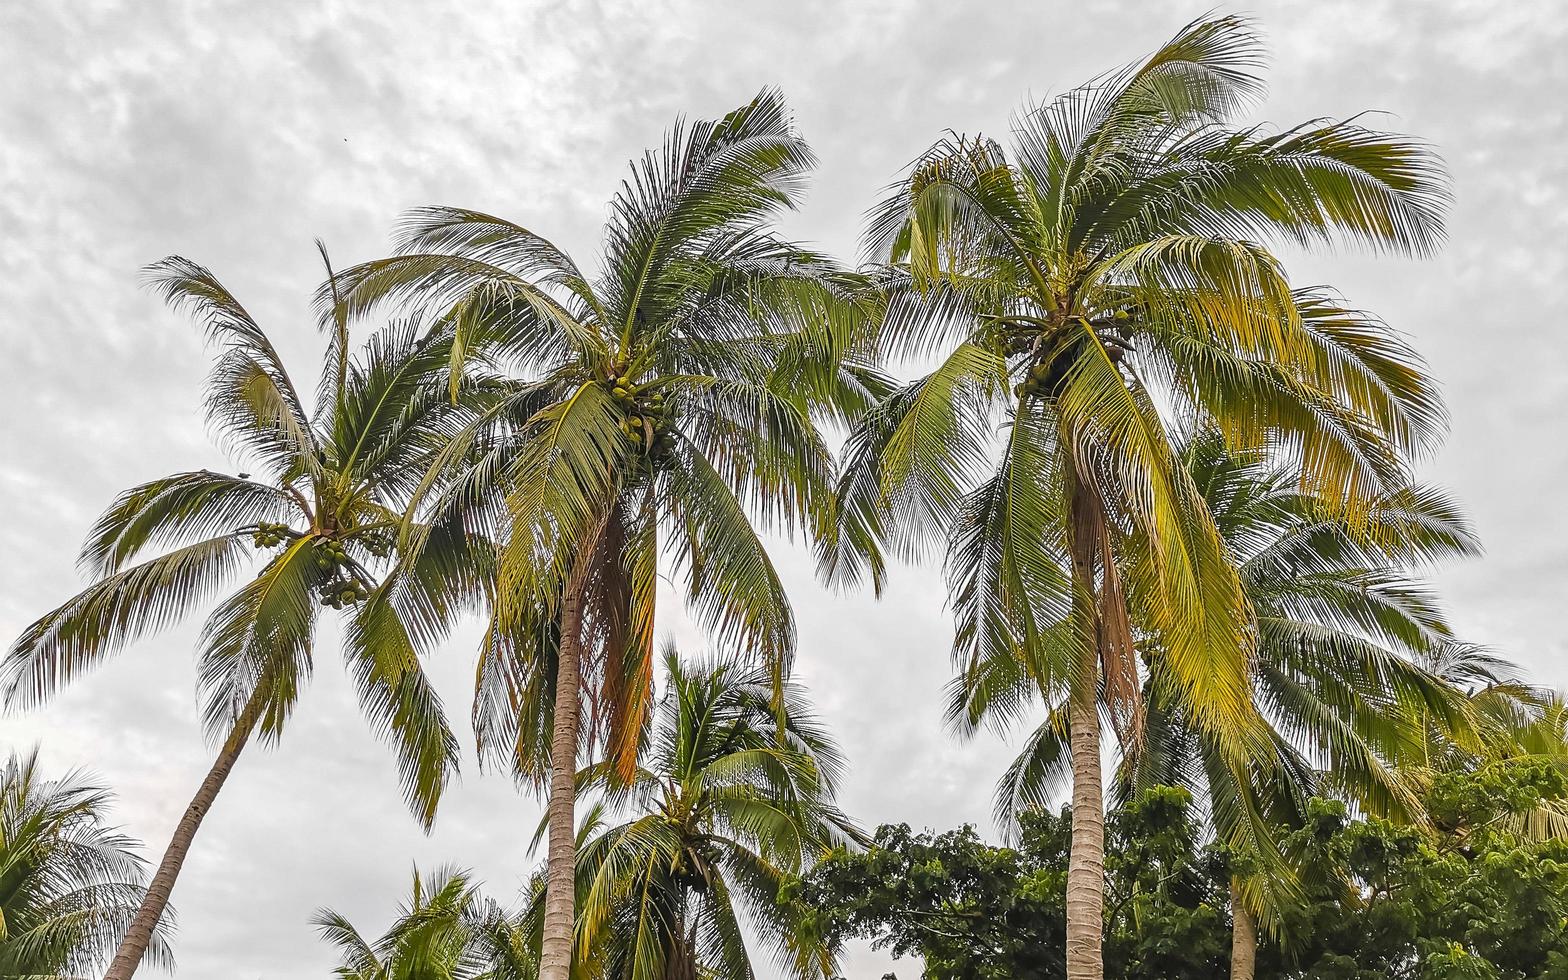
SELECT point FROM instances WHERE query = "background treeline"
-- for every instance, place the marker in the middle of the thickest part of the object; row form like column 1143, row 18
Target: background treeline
column 1477, row 896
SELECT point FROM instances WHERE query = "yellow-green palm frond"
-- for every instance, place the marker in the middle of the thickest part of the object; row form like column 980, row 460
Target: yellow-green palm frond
column 251, row 401
column 259, row 641
column 560, row 482
column 400, row 702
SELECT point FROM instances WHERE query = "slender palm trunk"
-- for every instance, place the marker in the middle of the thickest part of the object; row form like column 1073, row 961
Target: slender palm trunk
column 134, row 946
column 560, row 894
column 1086, row 855
column 1086, row 858
column 1243, row 936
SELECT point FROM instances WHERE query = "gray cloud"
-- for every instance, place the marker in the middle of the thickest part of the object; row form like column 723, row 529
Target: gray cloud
column 235, row 133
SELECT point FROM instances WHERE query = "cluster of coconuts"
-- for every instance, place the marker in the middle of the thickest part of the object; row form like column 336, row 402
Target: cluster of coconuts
column 269, row 535
column 1037, row 380
column 378, row 545
column 343, row 589
column 344, row 592
column 644, row 412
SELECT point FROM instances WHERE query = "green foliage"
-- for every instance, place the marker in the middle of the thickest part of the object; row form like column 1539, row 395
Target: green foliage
column 976, row 911
column 445, row 930
column 1471, row 897
column 69, row 883
column 1467, row 896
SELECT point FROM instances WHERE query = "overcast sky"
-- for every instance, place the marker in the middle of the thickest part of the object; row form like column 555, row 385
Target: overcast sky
column 235, row 133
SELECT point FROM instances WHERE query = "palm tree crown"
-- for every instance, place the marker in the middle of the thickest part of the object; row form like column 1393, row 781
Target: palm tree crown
column 446, row 930
column 322, row 515
column 734, row 796
column 69, row 883
column 661, row 407
column 323, row 519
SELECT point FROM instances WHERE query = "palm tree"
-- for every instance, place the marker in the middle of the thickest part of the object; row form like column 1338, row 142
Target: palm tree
column 69, row 883
column 734, row 797
column 667, row 404
column 1107, row 277
column 1513, row 721
column 1340, row 676
column 444, row 931
column 323, row 517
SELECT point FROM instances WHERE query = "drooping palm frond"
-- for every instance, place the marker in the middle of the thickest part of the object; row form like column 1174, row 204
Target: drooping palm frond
column 114, row 612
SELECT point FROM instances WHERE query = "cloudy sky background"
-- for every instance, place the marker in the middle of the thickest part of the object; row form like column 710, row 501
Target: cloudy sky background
column 234, row 134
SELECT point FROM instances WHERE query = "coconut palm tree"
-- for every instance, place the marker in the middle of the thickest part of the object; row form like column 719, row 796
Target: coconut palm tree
column 446, row 930
column 735, row 795
column 1513, row 721
column 69, row 882
column 1345, row 633
column 666, row 405
column 1107, row 276
column 320, row 517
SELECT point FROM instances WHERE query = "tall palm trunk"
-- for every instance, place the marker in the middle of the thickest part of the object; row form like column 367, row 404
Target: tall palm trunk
column 560, row 894
column 1086, row 855
column 1086, row 858
column 1243, row 936
column 134, row 946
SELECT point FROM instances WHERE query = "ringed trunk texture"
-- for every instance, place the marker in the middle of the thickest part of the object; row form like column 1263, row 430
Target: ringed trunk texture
column 134, row 946
column 1243, row 936
column 1086, row 857
column 1086, row 854
column 560, row 894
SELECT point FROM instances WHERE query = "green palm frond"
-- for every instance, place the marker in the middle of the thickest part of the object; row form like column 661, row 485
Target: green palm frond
column 251, row 401
column 443, row 931
column 176, row 509
column 72, row 881
column 113, row 613
column 727, row 805
column 400, row 701
column 260, row 640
